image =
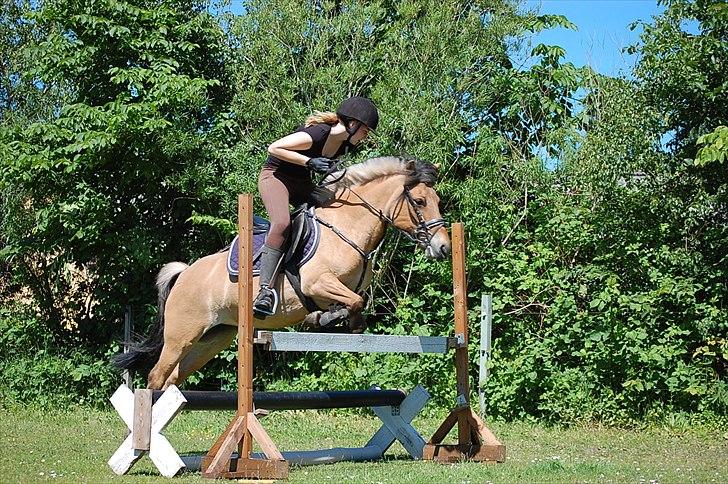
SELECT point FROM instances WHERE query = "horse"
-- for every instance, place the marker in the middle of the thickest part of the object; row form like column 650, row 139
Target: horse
column 198, row 302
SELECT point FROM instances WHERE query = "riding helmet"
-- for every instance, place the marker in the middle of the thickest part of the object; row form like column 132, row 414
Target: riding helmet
column 360, row 109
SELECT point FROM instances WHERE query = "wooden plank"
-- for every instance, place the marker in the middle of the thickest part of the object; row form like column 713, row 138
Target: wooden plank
column 164, row 456
column 258, row 469
column 166, row 408
column 124, row 457
column 142, row 429
column 489, row 453
column 456, row 453
column 217, row 463
column 444, row 428
column 355, row 343
column 460, row 293
column 259, row 434
column 221, row 459
column 484, row 433
column 245, row 316
column 123, row 402
column 405, row 433
column 218, row 443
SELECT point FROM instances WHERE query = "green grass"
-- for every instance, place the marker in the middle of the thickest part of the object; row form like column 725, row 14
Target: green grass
column 74, row 445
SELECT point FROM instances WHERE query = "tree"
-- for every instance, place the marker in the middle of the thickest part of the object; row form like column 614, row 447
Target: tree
column 96, row 192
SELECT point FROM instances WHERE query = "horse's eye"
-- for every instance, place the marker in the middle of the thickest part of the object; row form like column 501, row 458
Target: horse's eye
column 420, row 202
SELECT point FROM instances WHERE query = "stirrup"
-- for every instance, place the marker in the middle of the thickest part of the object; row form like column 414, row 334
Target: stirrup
column 261, row 310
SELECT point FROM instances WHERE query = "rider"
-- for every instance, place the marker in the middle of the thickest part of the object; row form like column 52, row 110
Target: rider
column 285, row 178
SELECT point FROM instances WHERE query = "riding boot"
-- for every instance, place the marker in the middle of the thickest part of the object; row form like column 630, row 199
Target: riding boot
column 266, row 302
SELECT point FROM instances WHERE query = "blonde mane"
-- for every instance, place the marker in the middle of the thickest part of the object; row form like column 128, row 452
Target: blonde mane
column 369, row 170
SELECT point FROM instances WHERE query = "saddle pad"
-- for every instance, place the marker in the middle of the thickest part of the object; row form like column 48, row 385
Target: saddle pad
column 307, row 248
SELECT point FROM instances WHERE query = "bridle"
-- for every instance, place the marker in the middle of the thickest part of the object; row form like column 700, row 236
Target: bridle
column 421, row 235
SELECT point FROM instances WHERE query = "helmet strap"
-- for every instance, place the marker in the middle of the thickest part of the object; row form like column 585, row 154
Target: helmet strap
column 352, row 131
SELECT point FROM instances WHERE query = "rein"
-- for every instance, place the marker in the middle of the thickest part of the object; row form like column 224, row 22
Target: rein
column 421, row 234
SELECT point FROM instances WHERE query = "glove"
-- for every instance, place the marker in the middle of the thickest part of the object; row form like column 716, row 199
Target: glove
column 320, row 164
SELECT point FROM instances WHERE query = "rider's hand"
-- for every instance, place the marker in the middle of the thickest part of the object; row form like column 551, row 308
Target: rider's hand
column 320, row 164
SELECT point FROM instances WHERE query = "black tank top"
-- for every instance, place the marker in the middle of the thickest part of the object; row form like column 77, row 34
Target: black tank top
column 319, row 133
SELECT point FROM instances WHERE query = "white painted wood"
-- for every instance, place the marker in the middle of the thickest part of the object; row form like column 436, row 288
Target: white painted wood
column 164, row 456
column 160, row 451
column 124, row 457
column 355, row 343
column 166, row 408
column 123, row 402
column 486, row 327
column 398, row 427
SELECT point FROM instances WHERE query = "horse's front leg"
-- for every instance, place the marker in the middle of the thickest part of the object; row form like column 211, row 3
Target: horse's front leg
column 327, row 289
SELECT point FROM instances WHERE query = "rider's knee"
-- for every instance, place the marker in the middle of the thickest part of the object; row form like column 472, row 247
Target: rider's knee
column 278, row 234
column 281, row 228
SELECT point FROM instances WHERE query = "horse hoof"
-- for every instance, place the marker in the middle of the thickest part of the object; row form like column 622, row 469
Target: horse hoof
column 330, row 318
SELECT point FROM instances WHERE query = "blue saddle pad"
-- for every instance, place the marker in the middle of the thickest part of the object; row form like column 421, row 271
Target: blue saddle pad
column 302, row 253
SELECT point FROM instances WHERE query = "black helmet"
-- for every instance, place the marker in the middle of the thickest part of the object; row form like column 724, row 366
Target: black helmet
column 360, row 109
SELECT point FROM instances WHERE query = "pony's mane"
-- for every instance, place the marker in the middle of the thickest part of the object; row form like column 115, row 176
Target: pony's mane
column 417, row 171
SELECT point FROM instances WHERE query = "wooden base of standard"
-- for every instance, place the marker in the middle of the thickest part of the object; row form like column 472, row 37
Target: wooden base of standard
column 475, row 441
column 219, row 463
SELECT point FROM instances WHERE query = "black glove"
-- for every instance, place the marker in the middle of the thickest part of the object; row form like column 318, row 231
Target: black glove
column 320, row 164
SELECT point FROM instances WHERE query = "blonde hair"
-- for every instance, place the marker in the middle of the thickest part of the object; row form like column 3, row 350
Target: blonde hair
column 321, row 117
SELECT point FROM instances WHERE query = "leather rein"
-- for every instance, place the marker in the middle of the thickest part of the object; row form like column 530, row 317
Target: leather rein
column 421, row 234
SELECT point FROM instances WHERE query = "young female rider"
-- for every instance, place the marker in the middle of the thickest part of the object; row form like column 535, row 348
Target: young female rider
column 286, row 178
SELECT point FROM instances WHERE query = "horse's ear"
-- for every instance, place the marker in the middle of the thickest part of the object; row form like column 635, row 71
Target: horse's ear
column 437, row 166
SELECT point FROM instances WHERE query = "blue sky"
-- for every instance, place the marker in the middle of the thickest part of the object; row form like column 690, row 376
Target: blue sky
column 603, row 30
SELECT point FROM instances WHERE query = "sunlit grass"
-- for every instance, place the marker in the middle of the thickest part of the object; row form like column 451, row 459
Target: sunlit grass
column 74, row 445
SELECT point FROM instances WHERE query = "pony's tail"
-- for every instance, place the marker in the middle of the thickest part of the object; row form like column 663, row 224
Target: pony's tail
column 144, row 355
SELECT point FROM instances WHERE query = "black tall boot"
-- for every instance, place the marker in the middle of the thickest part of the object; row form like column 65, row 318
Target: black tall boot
column 266, row 302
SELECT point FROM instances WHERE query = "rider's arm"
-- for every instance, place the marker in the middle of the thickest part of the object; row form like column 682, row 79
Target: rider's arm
column 283, row 149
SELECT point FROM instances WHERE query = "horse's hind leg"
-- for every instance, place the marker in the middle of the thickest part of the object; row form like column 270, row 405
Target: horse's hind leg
column 212, row 342
column 182, row 330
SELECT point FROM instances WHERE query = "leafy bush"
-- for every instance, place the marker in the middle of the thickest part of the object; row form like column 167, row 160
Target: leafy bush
column 36, row 371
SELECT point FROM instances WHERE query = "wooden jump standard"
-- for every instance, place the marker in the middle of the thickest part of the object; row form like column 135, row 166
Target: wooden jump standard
column 475, row 440
column 148, row 412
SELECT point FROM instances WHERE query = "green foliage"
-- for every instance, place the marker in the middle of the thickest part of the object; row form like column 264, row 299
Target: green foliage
column 104, row 183
column 595, row 208
column 684, row 72
column 713, row 147
column 40, row 373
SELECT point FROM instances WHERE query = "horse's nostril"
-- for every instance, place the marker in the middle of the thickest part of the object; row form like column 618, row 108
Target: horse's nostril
column 444, row 249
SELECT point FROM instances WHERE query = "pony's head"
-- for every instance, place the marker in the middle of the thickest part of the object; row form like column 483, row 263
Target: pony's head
column 417, row 210
column 413, row 206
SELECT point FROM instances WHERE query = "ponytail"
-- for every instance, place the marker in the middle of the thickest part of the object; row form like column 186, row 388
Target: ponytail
column 322, row 117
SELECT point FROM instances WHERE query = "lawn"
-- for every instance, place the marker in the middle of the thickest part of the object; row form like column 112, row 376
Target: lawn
column 74, row 445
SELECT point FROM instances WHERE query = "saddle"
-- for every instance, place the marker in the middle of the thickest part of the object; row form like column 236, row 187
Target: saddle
column 300, row 248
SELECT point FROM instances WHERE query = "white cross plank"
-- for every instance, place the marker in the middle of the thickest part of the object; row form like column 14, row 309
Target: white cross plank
column 398, row 427
column 160, row 451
